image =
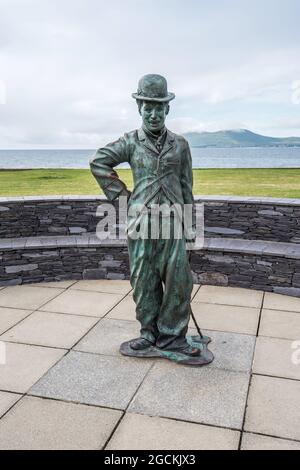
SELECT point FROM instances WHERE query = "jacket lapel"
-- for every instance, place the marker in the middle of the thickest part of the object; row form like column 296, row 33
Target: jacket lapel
column 168, row 145
column 146, row 142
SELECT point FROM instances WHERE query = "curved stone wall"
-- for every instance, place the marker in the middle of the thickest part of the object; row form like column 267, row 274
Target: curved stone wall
column 250, row 242
column 269, row 266
column 253, row 218
column 229, row 217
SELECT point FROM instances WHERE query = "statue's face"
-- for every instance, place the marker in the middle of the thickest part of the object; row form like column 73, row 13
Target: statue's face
column 154, row 115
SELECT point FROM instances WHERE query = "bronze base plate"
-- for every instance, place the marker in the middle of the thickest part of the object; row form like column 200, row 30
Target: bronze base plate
column 206, row 356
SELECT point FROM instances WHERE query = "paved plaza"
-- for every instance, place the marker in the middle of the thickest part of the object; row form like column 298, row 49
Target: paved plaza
column 64, row 384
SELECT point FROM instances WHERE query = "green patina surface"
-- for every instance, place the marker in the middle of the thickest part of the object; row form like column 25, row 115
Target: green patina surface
column 161, row 165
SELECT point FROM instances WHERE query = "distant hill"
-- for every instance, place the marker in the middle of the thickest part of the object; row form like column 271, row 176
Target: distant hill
column 238, row 138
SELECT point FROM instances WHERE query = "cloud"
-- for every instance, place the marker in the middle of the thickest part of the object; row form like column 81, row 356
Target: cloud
column 267, row 77
column 2, row 92
column 70, row 66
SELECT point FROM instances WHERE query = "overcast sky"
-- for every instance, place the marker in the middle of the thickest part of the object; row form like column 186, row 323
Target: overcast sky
column 68, row 67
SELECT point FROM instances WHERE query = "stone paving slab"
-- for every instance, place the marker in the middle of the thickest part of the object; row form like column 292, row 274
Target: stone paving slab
column 281, row 302
column 25, row 365
column 7, row 400
column 50, row 329
column 10, row 317
column 58, row 284
column 75, row 302
column 93, row 379
column 26, row 297
column 107, row 336
column 280, row 324
column 203, row 395
column 229, row 296
column 204, row 406
column 273, row 407
column 243, row 320
column 125, row 310
column 138, row 432
column 232, row 351
column 196, row 288
column 104, row 285
column 257, row 442
column 39, row 424
column 273, row 357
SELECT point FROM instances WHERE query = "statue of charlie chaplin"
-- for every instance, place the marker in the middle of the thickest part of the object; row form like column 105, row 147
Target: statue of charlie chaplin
column 161, row 277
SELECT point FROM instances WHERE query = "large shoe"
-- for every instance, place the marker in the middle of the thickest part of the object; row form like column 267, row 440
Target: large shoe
column 140, row 344
column 191, row 351
column 188, row 351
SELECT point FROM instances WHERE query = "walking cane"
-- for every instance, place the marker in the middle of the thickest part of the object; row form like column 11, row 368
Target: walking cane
column 191, row 311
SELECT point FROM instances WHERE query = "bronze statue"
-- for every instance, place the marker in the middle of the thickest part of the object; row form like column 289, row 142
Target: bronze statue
column 161, row 276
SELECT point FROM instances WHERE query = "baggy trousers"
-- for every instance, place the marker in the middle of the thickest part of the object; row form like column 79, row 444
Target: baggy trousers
column 162, row 284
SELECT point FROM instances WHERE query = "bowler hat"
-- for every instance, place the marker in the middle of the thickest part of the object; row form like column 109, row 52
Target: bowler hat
column 153, row 88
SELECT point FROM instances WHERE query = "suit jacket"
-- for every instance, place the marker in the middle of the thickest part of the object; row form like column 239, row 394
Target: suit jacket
column 164, row 176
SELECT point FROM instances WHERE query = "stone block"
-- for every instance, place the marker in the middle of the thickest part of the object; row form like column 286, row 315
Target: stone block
column 56, row 426
column 200, row 395
column 93, row 379
column 20, row 268
column 140, row 432
column 273, row 407
column 25, row 365
column 97, row 273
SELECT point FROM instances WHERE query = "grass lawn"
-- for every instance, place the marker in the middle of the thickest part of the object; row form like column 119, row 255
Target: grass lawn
column 279, row 182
